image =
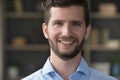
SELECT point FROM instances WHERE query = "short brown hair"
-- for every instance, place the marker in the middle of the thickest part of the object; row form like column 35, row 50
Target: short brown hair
column 47, row 4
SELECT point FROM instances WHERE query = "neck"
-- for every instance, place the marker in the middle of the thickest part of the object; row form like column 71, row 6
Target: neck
column 65, row 67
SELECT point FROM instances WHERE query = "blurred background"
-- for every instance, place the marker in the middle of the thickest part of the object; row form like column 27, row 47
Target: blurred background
column 23, row 48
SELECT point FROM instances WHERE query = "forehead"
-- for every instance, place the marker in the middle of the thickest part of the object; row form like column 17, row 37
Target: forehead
column 71, row 12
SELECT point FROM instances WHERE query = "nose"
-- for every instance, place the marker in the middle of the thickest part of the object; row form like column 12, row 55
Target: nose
column 67, row 30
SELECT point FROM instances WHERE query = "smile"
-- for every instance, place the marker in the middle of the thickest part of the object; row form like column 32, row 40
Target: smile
column 66, row 42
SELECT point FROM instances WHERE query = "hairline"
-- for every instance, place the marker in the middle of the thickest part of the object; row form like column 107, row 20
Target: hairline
column 49, row 11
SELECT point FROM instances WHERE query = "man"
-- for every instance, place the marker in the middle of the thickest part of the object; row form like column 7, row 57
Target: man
column 66, row 27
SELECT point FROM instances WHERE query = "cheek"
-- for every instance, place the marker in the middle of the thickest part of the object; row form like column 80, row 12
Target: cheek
column 80, row 34
column 52, row 33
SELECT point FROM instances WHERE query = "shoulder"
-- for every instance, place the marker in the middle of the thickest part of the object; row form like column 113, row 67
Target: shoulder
column 97, row 75
column 34, row 76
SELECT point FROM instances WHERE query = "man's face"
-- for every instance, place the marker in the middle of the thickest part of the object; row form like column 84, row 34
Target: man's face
column 66, row 31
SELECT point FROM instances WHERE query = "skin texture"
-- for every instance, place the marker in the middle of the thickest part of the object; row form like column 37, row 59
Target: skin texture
column 66, row 32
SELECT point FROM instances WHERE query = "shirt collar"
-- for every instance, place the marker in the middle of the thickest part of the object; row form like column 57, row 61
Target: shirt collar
column 47, row 68
column 82, row 67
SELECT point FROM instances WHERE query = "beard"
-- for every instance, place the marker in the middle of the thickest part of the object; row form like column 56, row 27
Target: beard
column 64, row 55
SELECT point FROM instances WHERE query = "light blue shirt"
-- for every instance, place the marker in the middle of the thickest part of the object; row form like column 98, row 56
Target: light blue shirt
column 83, row 72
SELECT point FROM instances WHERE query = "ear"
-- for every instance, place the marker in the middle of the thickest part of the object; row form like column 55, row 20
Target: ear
column 88, row 30
column 45, row 31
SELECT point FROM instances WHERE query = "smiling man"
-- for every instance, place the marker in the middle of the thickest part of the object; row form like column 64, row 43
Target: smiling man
column 66, row 27
column 66, row 31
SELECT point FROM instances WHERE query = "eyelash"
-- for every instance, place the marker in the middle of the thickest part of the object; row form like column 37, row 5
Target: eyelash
column 73, row 24
column 76, row 24
column 58, row 23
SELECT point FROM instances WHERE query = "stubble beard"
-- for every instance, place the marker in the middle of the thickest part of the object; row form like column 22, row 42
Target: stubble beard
column 66, row 56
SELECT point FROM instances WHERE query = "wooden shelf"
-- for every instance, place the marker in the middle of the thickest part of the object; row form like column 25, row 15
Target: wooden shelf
column 103, row 48
column 43, row 47
column 96, row 15
column 33, row 15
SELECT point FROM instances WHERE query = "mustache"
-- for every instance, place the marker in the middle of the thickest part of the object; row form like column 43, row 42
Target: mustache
column 67, row 38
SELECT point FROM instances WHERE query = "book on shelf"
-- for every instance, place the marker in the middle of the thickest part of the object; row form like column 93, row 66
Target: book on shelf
column 99, row 36
column 103, row 36
column 107, row 9
column 94, row 37
column 18, row 6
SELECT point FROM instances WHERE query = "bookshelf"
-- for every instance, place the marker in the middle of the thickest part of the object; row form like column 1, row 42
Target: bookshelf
column 105, row 40
column 43, row 47
column 24, row 22
column 25, row 48
column 1, row 40
column 99, row 16
column 35, row 15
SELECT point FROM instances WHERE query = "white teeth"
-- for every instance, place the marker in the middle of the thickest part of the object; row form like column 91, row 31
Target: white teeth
column 67, row 42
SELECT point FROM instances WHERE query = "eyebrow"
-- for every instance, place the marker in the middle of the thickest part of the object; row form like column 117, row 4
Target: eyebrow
column 58, row 21
column 78, row 21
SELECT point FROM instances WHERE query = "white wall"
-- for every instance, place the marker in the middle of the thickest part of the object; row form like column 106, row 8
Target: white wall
column 1, row 39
